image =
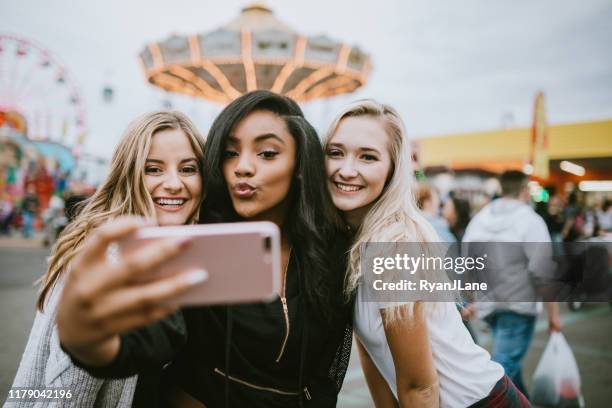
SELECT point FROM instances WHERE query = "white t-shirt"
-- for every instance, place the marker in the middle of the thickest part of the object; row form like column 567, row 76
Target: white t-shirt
column 466, row 373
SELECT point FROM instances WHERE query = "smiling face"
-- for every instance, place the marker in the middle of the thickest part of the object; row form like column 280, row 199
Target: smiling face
column 172, row 177
column 258, row 166
column 358, row 163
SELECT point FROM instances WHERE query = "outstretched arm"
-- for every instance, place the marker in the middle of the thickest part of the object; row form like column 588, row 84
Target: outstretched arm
column 147, row 348
column 101, row 300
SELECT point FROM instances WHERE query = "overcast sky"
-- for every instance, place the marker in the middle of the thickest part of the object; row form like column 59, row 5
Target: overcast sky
column 447, row 66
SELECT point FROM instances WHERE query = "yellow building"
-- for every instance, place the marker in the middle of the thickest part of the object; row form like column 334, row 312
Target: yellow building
column 588, row 145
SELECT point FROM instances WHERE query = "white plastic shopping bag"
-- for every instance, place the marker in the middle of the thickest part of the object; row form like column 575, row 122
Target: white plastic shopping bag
column 556, row 380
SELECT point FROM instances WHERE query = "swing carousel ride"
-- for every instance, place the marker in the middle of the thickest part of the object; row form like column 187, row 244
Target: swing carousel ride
column 255, row 51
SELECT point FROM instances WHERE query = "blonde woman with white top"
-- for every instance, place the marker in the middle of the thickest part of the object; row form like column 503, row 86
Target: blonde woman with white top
column 412, row 354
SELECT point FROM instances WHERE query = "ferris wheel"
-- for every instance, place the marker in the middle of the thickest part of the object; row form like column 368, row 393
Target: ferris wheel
column 38, row 95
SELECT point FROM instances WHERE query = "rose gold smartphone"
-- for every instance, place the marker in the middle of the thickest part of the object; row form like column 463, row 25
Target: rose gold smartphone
column 242, row 260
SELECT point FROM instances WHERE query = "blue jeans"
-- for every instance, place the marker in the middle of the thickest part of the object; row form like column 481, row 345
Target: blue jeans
column 28, row 224
column 512, row 335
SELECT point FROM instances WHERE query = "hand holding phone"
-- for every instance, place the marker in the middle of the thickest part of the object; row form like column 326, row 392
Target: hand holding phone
column 242, row 261
column 99, row 299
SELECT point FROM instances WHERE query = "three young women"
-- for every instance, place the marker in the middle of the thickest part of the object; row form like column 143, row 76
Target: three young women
column 262, row 161
column 414, row 354
column 155, row 174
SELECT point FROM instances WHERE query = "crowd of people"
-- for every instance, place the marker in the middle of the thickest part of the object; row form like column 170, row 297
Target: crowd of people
column 511, row 217
column 34, row 199
column 117, row 342
column 568, row 218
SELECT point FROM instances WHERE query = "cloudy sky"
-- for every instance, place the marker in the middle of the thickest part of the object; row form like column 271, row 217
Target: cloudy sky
column 447, row 66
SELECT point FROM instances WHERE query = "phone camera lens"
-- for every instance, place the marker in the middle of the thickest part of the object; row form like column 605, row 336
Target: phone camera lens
column 268, row 243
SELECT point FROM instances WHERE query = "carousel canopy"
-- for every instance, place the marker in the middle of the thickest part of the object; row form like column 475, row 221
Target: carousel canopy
column 255, row 51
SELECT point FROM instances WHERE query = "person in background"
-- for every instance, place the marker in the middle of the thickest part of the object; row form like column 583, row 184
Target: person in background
column 45, row 186
column 6, row 213
column 604, row 218
column 574, row 217
column 456, row 211
column 73, row 205
column 511, row 219
column 553, row 216
column 54, row 219
column 591, row 222
column 428, row 201
column 29, row 210
column 61, row 182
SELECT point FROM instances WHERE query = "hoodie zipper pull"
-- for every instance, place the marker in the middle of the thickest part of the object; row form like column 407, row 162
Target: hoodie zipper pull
column 307, row 394
column 283, row 300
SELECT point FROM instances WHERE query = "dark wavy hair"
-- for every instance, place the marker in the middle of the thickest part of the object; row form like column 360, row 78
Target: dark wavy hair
column 311, row 217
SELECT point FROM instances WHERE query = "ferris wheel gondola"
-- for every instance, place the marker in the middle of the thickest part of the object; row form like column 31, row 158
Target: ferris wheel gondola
column 38, row 95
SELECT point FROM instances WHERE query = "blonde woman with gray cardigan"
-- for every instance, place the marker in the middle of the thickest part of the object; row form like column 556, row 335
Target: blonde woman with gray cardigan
column 155, row 174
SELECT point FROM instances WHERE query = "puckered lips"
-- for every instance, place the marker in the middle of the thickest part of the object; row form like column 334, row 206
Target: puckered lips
column 243, row 190
column 347, row 188
column 170, row 203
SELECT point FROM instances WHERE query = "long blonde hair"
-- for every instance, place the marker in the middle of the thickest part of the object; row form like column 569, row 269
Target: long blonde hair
column 123, row 192
column 394, row 217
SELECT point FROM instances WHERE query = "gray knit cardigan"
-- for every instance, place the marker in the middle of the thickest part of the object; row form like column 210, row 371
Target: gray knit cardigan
column 44, row 364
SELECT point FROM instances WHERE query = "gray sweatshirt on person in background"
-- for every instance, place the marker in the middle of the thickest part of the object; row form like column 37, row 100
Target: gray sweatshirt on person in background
column 522, row 259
